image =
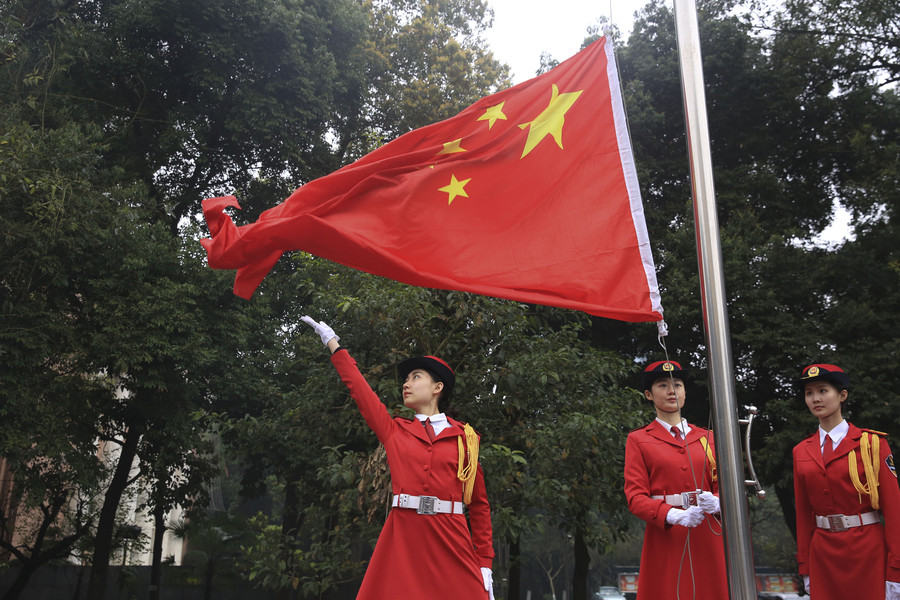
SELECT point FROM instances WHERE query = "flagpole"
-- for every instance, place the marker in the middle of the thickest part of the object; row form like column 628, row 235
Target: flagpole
column 735, row 515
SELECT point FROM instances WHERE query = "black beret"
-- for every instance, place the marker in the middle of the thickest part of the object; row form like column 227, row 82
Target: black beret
column 438, row 368
column 659, row 369
column 825, row 372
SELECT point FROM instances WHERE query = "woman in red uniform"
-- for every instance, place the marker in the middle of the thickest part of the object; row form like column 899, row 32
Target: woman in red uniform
column 671, row 483
column 426, row 548
column 844, row 482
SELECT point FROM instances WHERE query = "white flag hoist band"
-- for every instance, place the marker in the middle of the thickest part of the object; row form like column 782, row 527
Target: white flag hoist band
column 682, row 500
column 427, row 505
column 845, row 522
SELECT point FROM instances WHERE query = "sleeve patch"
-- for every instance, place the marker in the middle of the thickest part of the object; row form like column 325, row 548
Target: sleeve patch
column 889, row 461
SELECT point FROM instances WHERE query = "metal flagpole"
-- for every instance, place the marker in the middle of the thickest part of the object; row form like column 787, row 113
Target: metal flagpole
column 735, row 516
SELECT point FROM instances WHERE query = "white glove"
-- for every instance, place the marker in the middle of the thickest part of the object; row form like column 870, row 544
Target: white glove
column 325, row 332
column 691, row 517
column 488, row 581
column 806, row 583
column 891, row 590
column 709, row 502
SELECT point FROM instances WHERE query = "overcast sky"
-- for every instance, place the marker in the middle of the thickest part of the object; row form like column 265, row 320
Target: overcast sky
column 523, row 29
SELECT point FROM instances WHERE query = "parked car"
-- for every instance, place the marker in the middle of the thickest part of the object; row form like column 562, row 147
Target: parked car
column 608, row 592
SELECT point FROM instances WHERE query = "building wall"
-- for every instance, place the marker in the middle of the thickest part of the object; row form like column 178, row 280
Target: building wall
column 131, row 513
column 8, row 508
column 16, row 523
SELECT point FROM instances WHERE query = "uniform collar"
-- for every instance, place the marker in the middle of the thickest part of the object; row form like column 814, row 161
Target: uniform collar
column 838, row 433
column 683, row 426
column 440, row 417
column 439, row 422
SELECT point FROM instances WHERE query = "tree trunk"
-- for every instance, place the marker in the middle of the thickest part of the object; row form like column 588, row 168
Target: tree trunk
column 290, row 524
column 210, row 573
column 30, row 564
column 159, row 529
column 582, row 567
column 96, row 589
column 515, row 570
column 9, row 505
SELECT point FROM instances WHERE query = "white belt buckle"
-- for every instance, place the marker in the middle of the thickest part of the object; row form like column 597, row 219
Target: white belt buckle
column 426, row 505
column 836, row 523
column 689, row 499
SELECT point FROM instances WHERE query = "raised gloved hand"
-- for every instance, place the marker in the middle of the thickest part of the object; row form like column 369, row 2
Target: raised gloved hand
column 806, row 583
column 690, row 517
column 488, row 578
column 709, row 502
column 892, row 590
column 325, row 332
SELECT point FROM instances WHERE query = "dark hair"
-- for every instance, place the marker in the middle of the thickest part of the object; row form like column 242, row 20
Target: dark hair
column 446, row 392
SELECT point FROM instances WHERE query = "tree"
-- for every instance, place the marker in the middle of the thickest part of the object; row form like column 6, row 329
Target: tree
column 427, row 62
column 861, row 36
column 839, row 60
column 574, row 443
column 118, row 117
column 48, row 221
column 787, row 144
column 127, row 301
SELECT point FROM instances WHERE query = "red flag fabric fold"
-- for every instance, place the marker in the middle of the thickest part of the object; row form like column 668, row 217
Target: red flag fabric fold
column 529, row 194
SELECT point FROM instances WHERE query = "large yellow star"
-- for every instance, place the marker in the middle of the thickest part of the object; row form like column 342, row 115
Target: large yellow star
column 550, row 121
column 491, row 114
column 451, row 147
column 455, row 188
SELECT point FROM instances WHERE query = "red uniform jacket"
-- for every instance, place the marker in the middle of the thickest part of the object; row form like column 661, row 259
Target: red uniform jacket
column 852, row 563
column 658, row 465
column 422, row 556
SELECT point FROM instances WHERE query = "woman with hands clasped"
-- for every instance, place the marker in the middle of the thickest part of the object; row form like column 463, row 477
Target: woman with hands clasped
column 426, row 548
column 845, row 481
column 671, row 483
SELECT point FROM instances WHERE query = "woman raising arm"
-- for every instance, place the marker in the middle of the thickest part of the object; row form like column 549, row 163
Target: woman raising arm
column 426, row 548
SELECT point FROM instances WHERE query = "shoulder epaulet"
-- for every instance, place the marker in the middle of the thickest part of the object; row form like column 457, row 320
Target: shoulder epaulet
column 878, row 433
column 456, row 422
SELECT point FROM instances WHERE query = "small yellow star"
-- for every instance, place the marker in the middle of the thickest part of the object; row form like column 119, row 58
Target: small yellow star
column 451, row 147
column 550, row 121
column 493, row 113
column 455, row 188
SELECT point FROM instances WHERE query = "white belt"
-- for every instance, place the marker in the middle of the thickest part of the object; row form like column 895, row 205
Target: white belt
column 427, row 505
column 845, row 522
column 684, row 499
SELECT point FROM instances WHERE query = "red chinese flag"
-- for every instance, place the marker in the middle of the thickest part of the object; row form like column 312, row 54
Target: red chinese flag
column 529, row 194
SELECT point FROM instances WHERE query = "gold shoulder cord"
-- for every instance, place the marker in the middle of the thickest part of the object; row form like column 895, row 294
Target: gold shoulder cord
column 713, row 472
column 870, row 457
column 466, row 472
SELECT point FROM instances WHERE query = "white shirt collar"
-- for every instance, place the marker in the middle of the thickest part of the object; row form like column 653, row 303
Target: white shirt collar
column 439, row 421
column 683, row 426
column 434, row 418
column 836, row 434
